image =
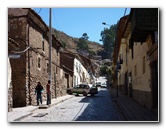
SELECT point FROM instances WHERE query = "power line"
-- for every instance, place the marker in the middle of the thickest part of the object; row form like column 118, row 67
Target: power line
column 55, row 19
column 125, row 11
column 39, row 10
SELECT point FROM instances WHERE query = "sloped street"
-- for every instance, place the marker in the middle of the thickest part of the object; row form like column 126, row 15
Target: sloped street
column 100, row 107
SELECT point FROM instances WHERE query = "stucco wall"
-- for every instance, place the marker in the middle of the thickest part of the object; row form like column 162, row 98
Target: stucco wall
column 10, row 100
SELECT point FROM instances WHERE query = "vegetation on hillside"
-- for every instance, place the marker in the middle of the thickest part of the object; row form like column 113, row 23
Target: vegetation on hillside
column 108, row 39
column 82, row 42
column 71, row 43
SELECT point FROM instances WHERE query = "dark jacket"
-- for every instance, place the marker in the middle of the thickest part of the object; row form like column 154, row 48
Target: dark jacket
column 39, row 89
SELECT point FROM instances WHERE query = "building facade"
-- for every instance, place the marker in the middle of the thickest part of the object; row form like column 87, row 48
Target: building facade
column 137, row 49
column 31, row 34
column 79, row 68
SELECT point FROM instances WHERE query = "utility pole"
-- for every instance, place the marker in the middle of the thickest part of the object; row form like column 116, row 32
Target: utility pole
column 50, row 49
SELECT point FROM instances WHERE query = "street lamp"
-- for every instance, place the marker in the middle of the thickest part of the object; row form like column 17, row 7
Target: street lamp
column 104, row 23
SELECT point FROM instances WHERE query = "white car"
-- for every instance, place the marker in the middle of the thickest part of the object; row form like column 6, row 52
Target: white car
column 84, row 89
column 104, row 85
column 98, row 84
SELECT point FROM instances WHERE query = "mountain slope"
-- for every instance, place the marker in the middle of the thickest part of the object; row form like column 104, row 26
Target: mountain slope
column 70, row 43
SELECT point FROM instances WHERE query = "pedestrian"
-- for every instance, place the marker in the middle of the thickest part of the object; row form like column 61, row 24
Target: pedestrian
column 48, row 92
column 39, row 91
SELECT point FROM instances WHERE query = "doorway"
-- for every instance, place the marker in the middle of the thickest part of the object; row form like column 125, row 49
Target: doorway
column 126, row 84
column 154, row 78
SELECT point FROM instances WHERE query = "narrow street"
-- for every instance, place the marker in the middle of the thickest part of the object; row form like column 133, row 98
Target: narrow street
column 100, row 107
column 45, row 61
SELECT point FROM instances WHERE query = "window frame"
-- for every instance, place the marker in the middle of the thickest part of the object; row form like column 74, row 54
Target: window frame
column 39, row 63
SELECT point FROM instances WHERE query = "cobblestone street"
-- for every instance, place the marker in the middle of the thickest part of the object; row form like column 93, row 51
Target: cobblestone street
column 100, row 107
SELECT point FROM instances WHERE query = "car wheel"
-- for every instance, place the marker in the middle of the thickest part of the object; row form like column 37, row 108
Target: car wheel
column 84, row 93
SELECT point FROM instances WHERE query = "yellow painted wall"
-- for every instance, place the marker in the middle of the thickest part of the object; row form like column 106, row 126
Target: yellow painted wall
column 141, row 81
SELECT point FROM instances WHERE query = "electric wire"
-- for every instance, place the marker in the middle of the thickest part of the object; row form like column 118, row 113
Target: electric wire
column 125, row 11
column 39, row 11
column 54, row 17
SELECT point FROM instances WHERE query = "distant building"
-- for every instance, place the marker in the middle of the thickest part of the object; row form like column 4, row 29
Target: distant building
column 80, row 67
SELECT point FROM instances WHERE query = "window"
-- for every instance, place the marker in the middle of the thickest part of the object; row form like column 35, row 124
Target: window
column 43, row 42
column 77, row 66
column 143, row 65
column 43, row 45
column 39, row 63
column 47, row 67
column 135, row 69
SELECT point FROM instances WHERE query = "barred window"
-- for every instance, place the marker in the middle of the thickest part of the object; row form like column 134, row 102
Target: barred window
column 39, row 63
column 47, row 67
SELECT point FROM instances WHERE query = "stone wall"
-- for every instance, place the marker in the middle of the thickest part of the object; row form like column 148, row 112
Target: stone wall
column 36, row 39
column 27, row 71
column 17, row 31
column 144, row 98
column 10, row 100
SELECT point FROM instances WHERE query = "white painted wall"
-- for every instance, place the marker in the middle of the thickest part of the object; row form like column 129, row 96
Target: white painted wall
column 81, row 75
column 9, row 73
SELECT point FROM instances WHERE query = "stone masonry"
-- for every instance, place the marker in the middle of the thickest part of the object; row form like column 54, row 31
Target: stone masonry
column 31, row 33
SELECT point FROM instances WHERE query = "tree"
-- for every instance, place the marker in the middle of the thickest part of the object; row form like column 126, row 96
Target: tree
column 85, row 36
column 64, row 44
column 108, row 38
column 82, row 43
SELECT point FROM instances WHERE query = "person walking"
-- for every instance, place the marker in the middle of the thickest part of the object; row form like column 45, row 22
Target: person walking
column 39, row 91
column 48, row 92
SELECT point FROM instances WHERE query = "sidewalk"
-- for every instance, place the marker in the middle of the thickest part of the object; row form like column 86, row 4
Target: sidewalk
column 22, row 112
column 132, row 110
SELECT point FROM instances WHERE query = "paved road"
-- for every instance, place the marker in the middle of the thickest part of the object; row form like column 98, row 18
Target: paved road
column 100, row 107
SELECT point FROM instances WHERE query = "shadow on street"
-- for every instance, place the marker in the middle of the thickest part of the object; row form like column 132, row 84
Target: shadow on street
column 98, row 108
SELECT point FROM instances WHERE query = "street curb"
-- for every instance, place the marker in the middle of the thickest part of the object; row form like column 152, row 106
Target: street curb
column 22, row 117
column 124, row 113
column 31, row 112
column 120, row 106
column 60, row 101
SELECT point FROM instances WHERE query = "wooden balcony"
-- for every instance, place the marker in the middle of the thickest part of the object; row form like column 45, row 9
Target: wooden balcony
column 144, row 21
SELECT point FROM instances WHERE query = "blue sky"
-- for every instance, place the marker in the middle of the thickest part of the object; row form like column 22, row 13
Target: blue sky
column 76, row 21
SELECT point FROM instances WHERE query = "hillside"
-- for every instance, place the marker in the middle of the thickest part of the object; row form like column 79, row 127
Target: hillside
column 71, row 43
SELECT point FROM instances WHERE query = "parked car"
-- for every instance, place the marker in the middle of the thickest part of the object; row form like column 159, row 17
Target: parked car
column 104, row 85
column 84, row 89
column 98, row 84
column 93, row 89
